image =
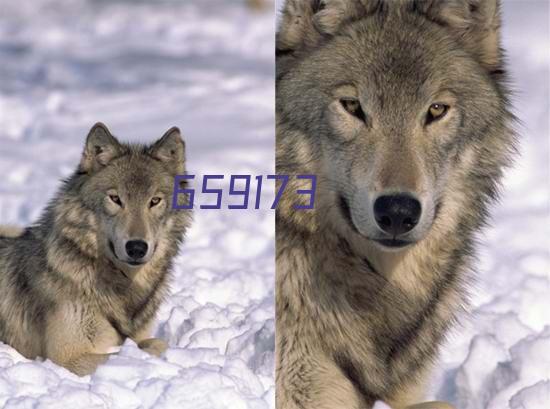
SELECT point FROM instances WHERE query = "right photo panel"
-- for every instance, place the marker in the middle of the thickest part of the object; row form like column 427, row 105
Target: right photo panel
column 412, row 246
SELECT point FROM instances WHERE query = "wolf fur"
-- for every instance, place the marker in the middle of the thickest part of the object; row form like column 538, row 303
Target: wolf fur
column 358, row 321
column 68, row 290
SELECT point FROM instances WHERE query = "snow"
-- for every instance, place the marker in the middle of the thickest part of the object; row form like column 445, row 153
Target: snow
column 207, row 67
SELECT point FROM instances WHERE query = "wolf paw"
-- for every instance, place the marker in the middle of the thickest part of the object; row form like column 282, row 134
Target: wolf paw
column 153, row 346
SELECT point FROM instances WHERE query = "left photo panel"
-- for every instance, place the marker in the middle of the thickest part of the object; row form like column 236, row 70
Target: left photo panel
column 136, row 204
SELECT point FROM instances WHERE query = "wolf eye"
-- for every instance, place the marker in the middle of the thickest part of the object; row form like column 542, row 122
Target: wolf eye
column 154, row 201
column 353, row 106
column 116, row 199
column 436, row 112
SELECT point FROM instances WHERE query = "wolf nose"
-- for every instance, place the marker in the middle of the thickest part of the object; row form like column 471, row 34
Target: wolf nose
column 136, row 249
column 397, row 214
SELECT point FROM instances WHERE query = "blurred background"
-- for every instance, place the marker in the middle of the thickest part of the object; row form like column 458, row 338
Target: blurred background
column 206, row 66
column 139, row 66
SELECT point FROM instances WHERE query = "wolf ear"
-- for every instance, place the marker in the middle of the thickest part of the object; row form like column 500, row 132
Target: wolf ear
column 170, row 148
column 476, row 24
column 305, row 22
column 101, row 147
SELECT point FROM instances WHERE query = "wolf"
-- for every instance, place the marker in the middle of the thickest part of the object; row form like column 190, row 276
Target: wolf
column 402, row 110
column 93, row 270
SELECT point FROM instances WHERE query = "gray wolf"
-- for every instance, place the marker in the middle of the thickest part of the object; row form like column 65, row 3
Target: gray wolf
column 93, row 270
column 401, row 108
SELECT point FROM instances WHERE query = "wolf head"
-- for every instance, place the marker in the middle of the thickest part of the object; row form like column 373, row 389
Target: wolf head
column 129, row 188
column 393, row 101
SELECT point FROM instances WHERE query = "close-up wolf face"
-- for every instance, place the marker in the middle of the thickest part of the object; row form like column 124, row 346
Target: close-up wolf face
column 130, row 187
column 393, row 105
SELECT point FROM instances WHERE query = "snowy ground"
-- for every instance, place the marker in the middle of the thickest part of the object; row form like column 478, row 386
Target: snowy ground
column 207, row 67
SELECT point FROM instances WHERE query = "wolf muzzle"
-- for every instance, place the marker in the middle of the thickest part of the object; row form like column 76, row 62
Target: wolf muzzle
column 397, row 214
column 136, row 250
